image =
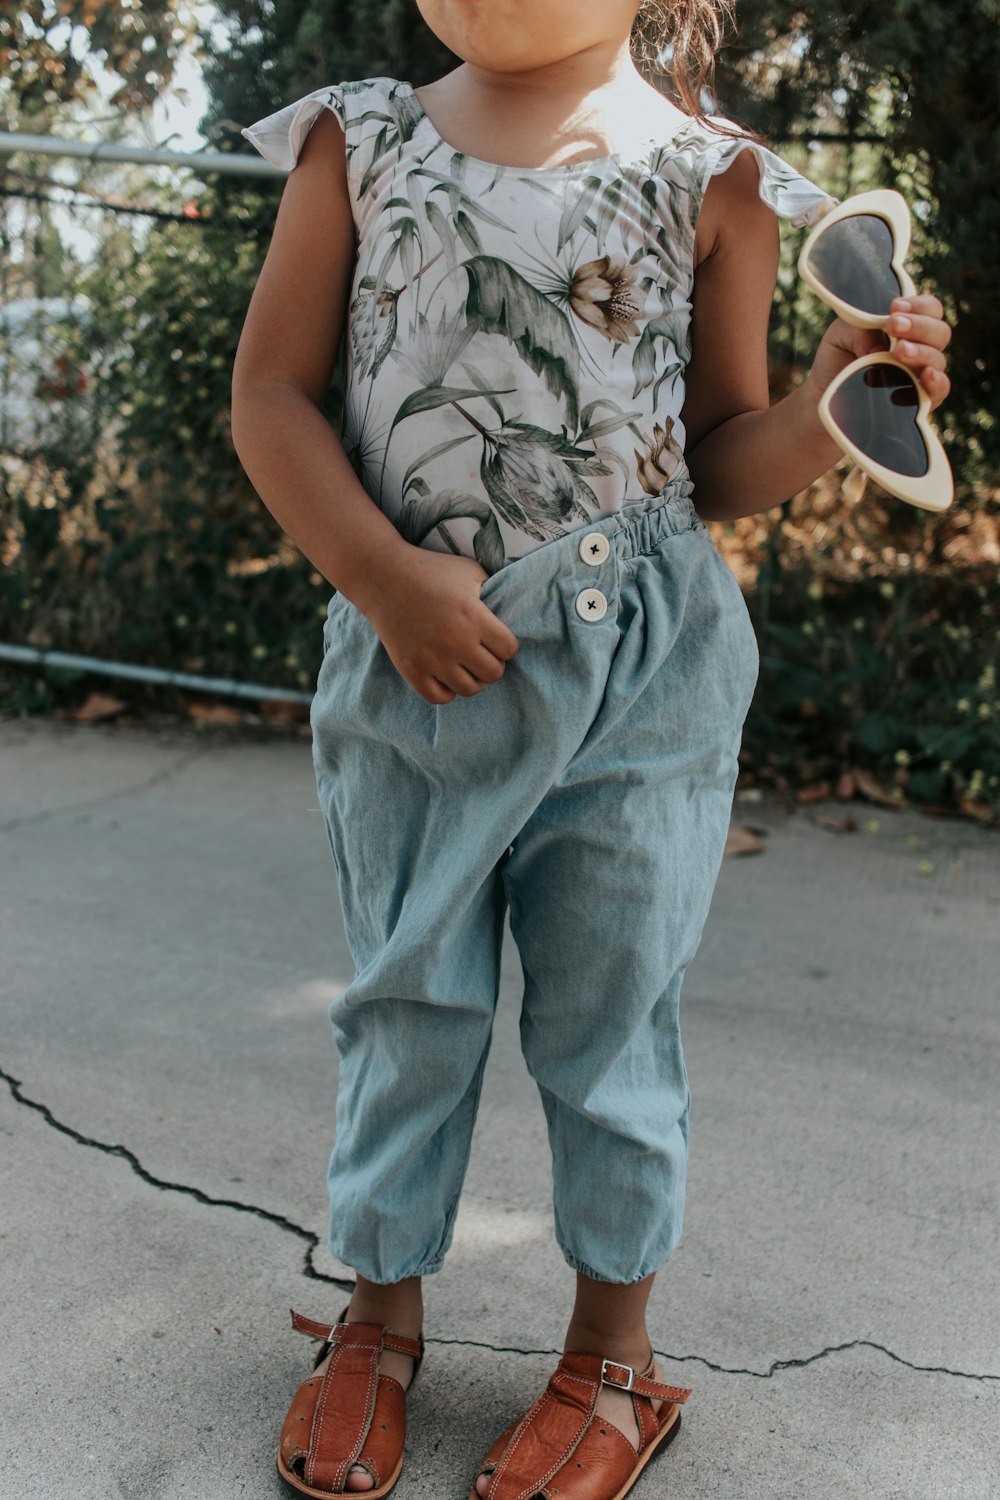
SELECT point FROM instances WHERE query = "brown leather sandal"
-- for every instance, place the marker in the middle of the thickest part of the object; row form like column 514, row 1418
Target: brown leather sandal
column 351, row 1414
column 560, row 1450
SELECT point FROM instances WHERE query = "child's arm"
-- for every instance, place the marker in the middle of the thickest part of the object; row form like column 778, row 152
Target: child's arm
column 744, row 455
column 424, row 605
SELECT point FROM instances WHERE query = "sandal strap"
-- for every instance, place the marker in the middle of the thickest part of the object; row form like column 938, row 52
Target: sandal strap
column 549, row 1433
column 625, row 1378
column 333, row 1333
column 536, row 1451
column 348, row 1391
column 343, row 1415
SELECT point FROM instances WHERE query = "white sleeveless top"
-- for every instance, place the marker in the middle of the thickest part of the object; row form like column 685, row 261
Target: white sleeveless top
column 517, row 336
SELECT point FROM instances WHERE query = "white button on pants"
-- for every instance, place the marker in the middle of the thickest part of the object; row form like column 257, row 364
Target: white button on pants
column 591, row 605
column 594, row 548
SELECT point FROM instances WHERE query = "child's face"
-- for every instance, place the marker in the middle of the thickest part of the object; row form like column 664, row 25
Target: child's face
column 510, row 36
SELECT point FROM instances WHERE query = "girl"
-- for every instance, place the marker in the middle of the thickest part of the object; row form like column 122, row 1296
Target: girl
column 556, row 288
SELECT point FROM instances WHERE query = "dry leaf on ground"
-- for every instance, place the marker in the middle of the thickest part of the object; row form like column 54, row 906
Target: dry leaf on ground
column 836, row 825
column 869, row 787
column 818, row 792
column 742, row 840
column 283, row 710
column 214, row 713
column 97, row 706
column 983, row 812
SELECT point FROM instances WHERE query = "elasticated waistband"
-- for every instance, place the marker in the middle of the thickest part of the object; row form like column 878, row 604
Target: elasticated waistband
column 640, row 529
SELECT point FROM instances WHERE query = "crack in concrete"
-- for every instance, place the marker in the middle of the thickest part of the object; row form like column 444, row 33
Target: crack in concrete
column 268, row 1215
column 345, row 1284
column 45, row 813
column 773, row 1369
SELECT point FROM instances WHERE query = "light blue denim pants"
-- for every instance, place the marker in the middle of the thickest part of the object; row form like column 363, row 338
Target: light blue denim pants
column 590, row 790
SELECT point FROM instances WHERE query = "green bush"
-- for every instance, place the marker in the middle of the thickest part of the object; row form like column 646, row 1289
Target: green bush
column 141, row 540
column 897, row 675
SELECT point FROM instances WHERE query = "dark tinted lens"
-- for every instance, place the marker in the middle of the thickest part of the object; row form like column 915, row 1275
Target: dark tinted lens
column 877, row 408
column 851, row 259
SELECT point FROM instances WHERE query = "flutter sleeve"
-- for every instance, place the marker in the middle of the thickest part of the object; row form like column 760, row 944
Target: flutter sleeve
column 781, row 187
column 279, row 137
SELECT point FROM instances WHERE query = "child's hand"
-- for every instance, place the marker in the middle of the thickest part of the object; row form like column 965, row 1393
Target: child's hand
column 439, row 636
column 921, row 332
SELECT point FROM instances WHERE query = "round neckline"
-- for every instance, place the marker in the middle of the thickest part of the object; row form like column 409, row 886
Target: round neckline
column 616, row 158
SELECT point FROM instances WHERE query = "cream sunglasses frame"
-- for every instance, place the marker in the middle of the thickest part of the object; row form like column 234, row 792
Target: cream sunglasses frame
column 934, row 490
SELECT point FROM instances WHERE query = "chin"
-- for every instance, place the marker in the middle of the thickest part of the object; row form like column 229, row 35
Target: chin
column 481, row 34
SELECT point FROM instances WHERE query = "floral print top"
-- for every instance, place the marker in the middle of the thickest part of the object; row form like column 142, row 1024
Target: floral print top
column 517, row 336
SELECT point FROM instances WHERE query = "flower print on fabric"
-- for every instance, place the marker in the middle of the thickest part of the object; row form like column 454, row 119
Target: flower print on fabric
column 663, row 457
column 600, row 294
column 517, row 337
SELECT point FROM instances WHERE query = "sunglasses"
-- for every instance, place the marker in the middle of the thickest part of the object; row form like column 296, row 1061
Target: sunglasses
column 875, row 409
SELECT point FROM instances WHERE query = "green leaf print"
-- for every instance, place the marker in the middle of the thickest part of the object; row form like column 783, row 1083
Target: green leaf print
column 674, row 235
column 670, row 327
column 481, row 385
column 406, row 113
column 591, row 429
column 399, row 120
column 611, row 424
column 458, row 198
column 409, row 247
column 378, row 151
column 432, row 348
column 467, row 230
column 645, row 195
column 541, row 437
column 670, row 249
column 501, row 301
column 411, row 477
column 444, row 232
column 427, row 400
column 607, row 213
column 422, row 514
column 488, row 545
column 576, row 209
column 529, row 476
column 380, row 282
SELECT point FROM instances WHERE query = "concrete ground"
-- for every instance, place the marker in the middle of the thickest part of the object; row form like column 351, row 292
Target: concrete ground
column 171, row 940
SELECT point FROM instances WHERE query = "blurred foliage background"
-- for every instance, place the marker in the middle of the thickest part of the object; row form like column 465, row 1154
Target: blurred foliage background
column 129, row 530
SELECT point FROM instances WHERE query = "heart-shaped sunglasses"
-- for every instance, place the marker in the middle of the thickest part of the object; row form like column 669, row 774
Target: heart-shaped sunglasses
column 875, row 409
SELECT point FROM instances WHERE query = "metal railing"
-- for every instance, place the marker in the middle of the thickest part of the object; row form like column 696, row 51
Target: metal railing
column 227, row 162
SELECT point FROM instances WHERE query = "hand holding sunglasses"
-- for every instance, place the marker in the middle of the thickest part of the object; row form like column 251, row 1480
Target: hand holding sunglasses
column 876, row 409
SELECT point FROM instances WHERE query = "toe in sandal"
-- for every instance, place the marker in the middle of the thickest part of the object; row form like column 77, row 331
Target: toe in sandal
column 351, row 1414
column 561, row 1450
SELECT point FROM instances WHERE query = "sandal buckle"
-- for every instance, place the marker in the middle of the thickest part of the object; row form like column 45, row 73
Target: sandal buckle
column 612, row 1364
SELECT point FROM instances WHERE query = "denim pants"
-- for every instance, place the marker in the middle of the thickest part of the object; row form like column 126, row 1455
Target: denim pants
column 589, row 790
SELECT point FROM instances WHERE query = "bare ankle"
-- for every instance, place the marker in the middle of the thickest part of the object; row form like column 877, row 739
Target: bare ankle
column 632, row 1346
column 609, row 1318
column 399, row 1303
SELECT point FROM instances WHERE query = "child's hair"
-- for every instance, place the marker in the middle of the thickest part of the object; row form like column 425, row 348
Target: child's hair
column 694, row 30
